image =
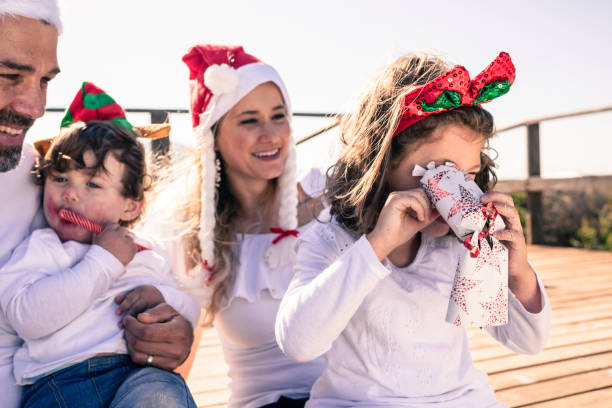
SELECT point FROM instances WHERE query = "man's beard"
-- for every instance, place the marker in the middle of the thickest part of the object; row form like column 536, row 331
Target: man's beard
column 11, row 155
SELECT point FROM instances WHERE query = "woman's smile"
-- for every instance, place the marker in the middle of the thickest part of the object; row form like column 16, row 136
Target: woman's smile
column 268, row 155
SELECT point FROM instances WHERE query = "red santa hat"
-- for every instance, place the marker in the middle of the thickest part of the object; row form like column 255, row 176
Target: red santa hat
column 47, row 10
column 220, row 76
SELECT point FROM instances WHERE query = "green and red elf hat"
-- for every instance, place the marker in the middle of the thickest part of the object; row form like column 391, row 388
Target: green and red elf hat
column 92, row 103
column 454, row 89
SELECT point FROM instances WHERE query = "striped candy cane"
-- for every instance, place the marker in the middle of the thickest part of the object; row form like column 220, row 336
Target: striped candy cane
column 86, row 223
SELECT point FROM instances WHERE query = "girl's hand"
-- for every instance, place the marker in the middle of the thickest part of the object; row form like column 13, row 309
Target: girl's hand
column 118, row 241
column 521, row 278
column 138, row 300
column 404, row 214
column 512, row 236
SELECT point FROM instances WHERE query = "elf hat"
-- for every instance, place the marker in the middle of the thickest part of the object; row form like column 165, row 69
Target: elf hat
column 92, row 103
column 47, row 10
column 220, row 76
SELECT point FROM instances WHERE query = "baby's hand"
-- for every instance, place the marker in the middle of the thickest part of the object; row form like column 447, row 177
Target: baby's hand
column 138, row 300
column 118, row 241
column 404, row 214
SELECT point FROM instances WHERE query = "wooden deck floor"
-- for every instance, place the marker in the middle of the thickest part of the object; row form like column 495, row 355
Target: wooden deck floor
column 575, row 369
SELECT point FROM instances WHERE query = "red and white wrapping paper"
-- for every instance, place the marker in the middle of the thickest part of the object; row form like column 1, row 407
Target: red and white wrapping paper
column 479, row 296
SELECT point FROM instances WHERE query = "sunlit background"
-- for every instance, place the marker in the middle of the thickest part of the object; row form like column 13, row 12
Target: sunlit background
column 327, row 51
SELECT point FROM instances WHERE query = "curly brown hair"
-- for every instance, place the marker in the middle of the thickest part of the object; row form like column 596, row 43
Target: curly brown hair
column 357, row 185
column 101, row 137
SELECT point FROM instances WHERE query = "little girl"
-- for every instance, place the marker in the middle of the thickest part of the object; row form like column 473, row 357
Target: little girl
column 58, row 289
column 371, row 287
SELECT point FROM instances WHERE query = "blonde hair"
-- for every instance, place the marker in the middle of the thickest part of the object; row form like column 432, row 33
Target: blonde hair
column 357, row 187
column 177, row 198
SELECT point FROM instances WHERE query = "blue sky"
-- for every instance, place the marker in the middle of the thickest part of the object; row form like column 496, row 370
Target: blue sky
column 328, row 50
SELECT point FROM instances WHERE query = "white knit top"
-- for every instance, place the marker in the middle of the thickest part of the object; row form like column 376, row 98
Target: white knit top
column 382, row 328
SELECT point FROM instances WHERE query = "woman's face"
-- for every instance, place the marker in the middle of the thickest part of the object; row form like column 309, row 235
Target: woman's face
column 447, row 143
column 253, row 137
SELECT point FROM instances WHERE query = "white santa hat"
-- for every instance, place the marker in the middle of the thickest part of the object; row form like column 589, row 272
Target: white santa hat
column 47, row 10
column 220, row 76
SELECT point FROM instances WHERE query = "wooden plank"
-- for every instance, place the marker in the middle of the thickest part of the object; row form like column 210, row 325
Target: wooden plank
column 599, row 398
column 547, row 390
column 565, row 334
column 514, row 361
column 549, row 371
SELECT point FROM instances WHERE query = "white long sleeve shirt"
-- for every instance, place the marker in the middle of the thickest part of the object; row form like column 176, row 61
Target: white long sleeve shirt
column 382, row 328
column 259, row 371
column 59, row 297
column 19, row 214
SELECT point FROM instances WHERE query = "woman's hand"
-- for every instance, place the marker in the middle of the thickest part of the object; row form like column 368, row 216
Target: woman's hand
column 521, row 278
column 138, row 300
column 404, row 214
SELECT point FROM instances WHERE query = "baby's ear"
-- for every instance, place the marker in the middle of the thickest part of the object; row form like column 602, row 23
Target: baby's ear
column 131, row 209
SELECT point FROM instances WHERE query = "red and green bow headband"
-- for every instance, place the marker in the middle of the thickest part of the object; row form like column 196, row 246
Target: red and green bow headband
column 92, row 103
column 454, row 89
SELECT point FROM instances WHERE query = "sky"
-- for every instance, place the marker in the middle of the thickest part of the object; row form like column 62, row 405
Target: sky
column 327, row 51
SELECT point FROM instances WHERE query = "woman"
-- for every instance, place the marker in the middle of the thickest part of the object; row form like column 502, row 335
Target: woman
column 240, row 220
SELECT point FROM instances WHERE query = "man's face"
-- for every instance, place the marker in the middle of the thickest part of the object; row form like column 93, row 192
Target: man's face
column 28, row 61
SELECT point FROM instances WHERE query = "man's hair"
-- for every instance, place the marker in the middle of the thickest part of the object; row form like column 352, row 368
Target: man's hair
column 101, row 137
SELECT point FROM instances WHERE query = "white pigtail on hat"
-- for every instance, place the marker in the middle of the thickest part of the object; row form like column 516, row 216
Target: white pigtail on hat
column 282, row 251
column 220, row 79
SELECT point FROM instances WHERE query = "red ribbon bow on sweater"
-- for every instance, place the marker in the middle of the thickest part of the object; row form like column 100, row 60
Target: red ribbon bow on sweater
column 454, row 89
column 283, row 233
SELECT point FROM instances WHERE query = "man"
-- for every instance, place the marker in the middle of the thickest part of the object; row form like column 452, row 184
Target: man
column 29, row 31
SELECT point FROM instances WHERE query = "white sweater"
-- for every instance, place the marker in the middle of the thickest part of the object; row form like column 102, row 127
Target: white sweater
column 259, row 371
column 19, row 206
column 382, row 329
column 59, row 297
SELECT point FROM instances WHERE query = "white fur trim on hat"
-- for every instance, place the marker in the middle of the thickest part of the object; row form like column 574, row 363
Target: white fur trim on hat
column 47, row 10
column 221, row 79
column 249, row 77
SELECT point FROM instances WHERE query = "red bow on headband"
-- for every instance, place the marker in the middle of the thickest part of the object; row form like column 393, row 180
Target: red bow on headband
column 454, row 89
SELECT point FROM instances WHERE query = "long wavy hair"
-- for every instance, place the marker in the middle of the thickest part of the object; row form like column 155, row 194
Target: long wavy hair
column 357, row 188
column 177, row 197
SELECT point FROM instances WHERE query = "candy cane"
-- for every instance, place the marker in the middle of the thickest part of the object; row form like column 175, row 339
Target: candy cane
column 86, row 223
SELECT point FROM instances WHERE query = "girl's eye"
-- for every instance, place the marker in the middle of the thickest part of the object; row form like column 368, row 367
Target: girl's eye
column 91, row 184
column 60, row 179
column 248, row 121
column 278, row 116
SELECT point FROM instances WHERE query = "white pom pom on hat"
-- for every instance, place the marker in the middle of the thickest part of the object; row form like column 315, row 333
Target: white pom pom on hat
column 221, row 79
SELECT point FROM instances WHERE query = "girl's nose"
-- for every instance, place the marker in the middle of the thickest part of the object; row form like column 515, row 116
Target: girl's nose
column 70, row 194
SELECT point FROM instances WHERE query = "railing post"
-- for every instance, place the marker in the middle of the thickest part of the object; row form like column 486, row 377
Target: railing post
column 534, row 198
column 160, row 147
